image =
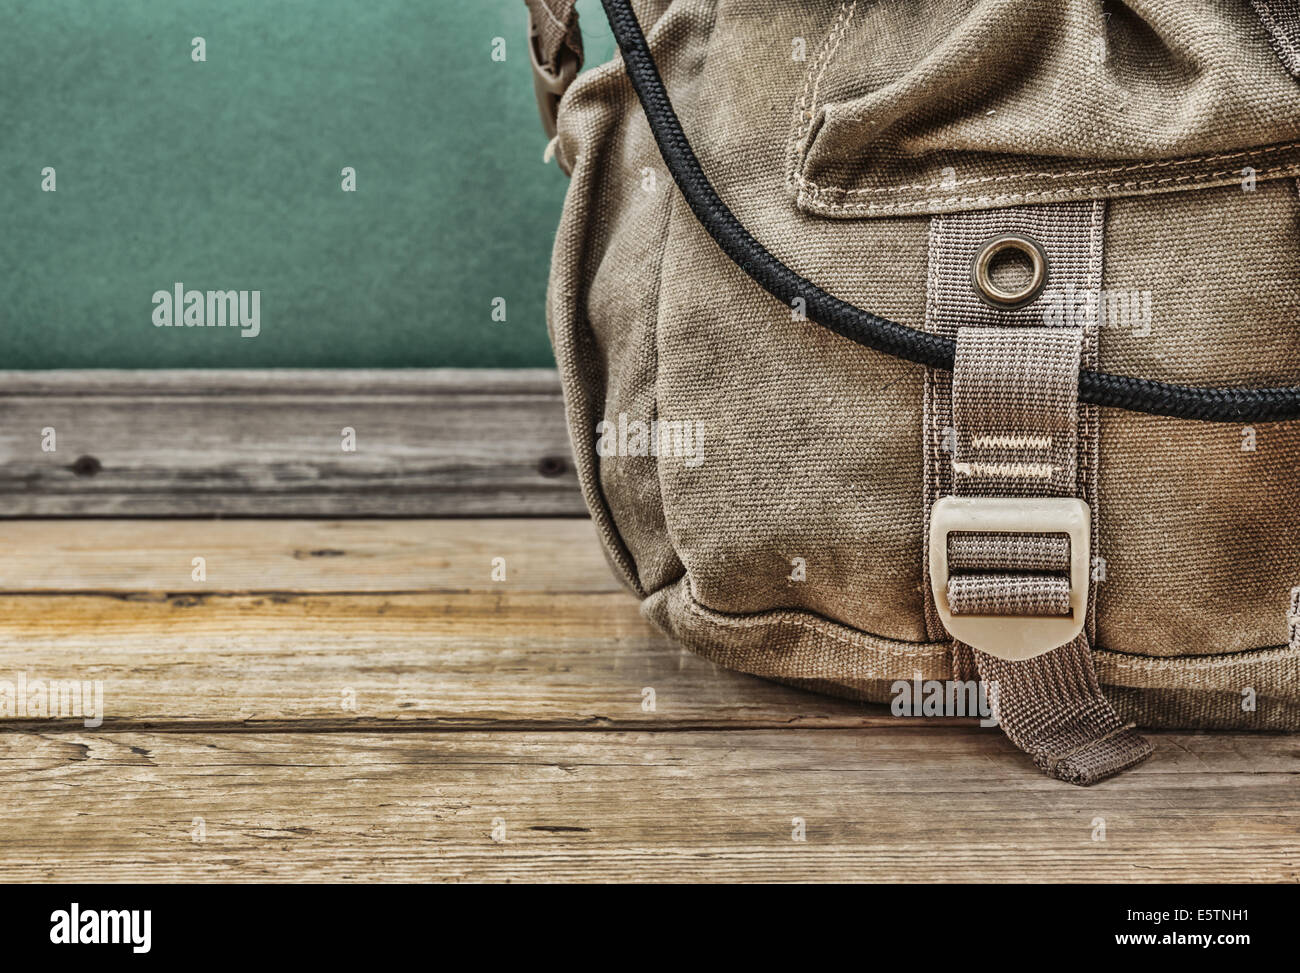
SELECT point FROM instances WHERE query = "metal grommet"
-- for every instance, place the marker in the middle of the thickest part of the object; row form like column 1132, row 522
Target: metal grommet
column 988, row 291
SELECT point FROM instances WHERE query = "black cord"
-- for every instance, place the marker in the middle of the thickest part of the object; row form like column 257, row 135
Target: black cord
column 871, row 330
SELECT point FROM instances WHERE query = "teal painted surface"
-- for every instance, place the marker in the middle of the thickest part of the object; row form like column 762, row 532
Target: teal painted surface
column 226, row 175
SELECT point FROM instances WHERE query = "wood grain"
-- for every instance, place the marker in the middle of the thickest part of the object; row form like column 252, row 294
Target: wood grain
column 557, row 554
column 360, row 701
column 400, row 620
column 893, row 804
column 338, row 661
column 268, row 443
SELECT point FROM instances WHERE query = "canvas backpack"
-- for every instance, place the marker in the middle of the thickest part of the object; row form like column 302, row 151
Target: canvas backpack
column 912, row 350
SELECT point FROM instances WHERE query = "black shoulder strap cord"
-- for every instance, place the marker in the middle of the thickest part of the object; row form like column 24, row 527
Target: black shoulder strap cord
column 871, row 330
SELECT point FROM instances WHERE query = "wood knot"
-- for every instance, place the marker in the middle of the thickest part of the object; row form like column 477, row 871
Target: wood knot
column 86, row 466
column 552, row 466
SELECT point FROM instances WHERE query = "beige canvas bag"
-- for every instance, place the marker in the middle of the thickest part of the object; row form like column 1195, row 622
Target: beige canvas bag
column 979, row 368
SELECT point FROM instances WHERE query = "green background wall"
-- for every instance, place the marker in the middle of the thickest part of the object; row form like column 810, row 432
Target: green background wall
column 226, row 175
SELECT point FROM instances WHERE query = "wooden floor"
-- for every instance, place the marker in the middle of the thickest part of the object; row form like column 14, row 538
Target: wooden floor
column 360, row 701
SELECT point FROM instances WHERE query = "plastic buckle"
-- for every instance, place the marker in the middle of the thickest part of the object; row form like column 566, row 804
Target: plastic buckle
column 1012, row 637
column 549, row 85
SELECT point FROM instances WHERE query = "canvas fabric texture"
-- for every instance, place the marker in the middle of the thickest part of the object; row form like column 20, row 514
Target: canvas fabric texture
column 790, row 542
column 1281, row 18
column 556, row 25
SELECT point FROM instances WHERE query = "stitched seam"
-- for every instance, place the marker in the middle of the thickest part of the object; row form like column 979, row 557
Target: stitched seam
column 808, row 101
column 1068, row 174
column 1139, row 183
column 556, row 20
column 1288, row 53
column 1012, row 442
column 1123, row 661
column 1191, row 181
column 809, row 105
column 1088, row 468
column 1035, row 471
column 931, row 434
column 822, row 626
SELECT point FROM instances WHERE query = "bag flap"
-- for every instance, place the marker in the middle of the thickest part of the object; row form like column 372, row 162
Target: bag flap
column 948, row 105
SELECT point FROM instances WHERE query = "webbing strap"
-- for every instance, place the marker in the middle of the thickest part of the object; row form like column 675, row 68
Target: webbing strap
column 1016, row 434
column 555, row 46
column 1281, row 18
column 1007, row 423
column 1052, row 708
column 555, row 30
